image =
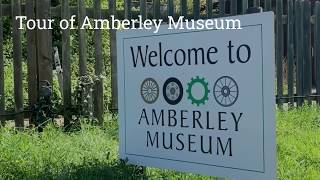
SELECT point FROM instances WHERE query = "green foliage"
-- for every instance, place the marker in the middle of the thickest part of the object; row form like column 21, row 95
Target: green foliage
column 298, row 134
column 92, row 152
column 9, row 85
column 91, row 61
column 74, row 49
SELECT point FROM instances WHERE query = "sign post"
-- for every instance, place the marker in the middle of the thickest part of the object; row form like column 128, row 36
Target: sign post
column 200, row 101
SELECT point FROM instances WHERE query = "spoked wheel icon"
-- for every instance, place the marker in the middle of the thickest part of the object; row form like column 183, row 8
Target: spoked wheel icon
column 149, row 90
column 226, row 91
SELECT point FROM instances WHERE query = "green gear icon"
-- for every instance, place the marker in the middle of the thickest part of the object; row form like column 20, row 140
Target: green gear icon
column 204, row 84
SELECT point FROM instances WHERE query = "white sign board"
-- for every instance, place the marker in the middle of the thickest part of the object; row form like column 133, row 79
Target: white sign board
column 200, row 101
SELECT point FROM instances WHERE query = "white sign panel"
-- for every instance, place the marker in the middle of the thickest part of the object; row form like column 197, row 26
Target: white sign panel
column 200, row 101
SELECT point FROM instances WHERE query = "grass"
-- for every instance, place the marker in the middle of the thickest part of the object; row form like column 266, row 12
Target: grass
column 298, row 139
column 92, row 153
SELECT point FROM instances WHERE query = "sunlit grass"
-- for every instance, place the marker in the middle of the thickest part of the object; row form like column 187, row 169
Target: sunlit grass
column 92, row 152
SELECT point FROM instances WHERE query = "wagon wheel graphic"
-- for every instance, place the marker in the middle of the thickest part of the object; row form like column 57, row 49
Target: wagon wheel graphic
column 226, row 91
column 149, row 90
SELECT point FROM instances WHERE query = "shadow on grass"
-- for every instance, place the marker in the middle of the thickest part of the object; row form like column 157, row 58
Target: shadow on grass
column 88, row 170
